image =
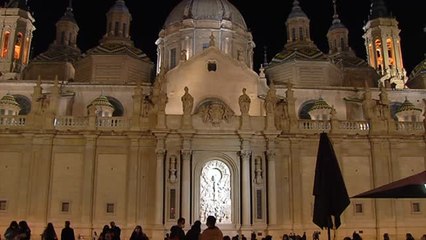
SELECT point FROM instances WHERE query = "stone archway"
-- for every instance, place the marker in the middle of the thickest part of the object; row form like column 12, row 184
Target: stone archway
column 215, row 192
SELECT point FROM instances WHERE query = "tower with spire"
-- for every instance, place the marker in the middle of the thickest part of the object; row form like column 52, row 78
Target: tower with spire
column 59, row 58
column 383, row 46
column 337, row 34
column 341, row 54
column 17, row 28
column 99, row 64
column 297, row 23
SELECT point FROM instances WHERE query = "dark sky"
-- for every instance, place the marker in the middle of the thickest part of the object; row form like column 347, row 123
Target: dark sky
column 266, row 19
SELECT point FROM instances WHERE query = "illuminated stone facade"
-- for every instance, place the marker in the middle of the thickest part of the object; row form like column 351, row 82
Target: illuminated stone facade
column 110, row 136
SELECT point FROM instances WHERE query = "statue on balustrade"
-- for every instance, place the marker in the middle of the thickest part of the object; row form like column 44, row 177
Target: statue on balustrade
column 271, row 100
column 187, row 102
column 244, row 102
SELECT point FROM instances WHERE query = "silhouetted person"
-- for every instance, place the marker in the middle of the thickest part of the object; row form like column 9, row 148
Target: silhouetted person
column 12, row 231
column 386, row 236
column 115, row 230
column 356, row 236
column 67, row 232
column 408, row 236
column 49, row 233
column 138, row 234
column 176, row 231
column 105, row 234
column 24, row 231
column 194, row 232
column 211, row 232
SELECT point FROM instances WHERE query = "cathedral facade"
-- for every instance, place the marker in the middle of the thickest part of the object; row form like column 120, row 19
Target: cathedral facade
column 110, row 135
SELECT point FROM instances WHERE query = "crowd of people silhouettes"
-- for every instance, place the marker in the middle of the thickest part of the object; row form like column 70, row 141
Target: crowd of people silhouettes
column 21, row 231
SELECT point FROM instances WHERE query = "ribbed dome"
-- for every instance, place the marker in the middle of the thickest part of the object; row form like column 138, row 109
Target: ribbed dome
column 9, row 100
column 419, row 69
column 320, row 104
column 296, row 11
column 101, row 101
column 206, row 10
column 337, row 24
column 407, row 106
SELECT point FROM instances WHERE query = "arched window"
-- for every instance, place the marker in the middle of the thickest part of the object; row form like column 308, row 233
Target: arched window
column 118, row 107
column 62, row 37
column 124, row 29
column 391, row 54
column 18, row 46
column 293, row 34
column 5, row 45
column 342, row 43
column 301, row 33
column 24, row 103
column 304, row 109
column 116, row 28
column 26, row 50
column 215, row 192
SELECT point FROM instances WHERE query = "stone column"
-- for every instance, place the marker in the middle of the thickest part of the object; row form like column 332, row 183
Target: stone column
column 159, row 191
column 186, row 183
column 245, row 188
column 272, row 197
column 87, row 204
column 132, row 179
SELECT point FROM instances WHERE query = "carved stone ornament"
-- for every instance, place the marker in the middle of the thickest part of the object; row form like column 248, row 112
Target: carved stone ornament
column 215, row 112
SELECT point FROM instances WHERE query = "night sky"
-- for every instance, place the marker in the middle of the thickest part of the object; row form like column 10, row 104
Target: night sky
column 266, row 20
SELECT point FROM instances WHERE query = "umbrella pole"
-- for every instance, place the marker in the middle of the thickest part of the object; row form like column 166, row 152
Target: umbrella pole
column 328, row 233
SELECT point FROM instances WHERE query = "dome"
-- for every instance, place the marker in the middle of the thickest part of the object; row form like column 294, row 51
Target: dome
column 297, row 11
column 407, row 106
column 320, row 104
column 101, row 101
column 119, row 6
column 206, row 10
column 419, row 69
column 9, row 100
column 69, row 16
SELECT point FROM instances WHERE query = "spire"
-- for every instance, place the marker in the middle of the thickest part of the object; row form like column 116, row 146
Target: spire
column 69, row 15
column 265, row 56
column 338, row 40
column 378, row 9
column 69, row 5
column 335, row 15
column 336, row 20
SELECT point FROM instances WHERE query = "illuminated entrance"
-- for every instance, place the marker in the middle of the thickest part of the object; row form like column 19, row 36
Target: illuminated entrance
column 215, row 192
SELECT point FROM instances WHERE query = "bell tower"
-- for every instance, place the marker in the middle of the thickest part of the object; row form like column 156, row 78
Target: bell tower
column 383, row 45
column 16, row 24
column 118, row 24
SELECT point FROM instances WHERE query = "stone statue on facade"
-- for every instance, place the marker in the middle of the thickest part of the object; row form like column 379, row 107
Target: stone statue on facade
column 187, row 102
column 244, row 102
column 369, row 106
column 271, row 100
column 183, row 55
